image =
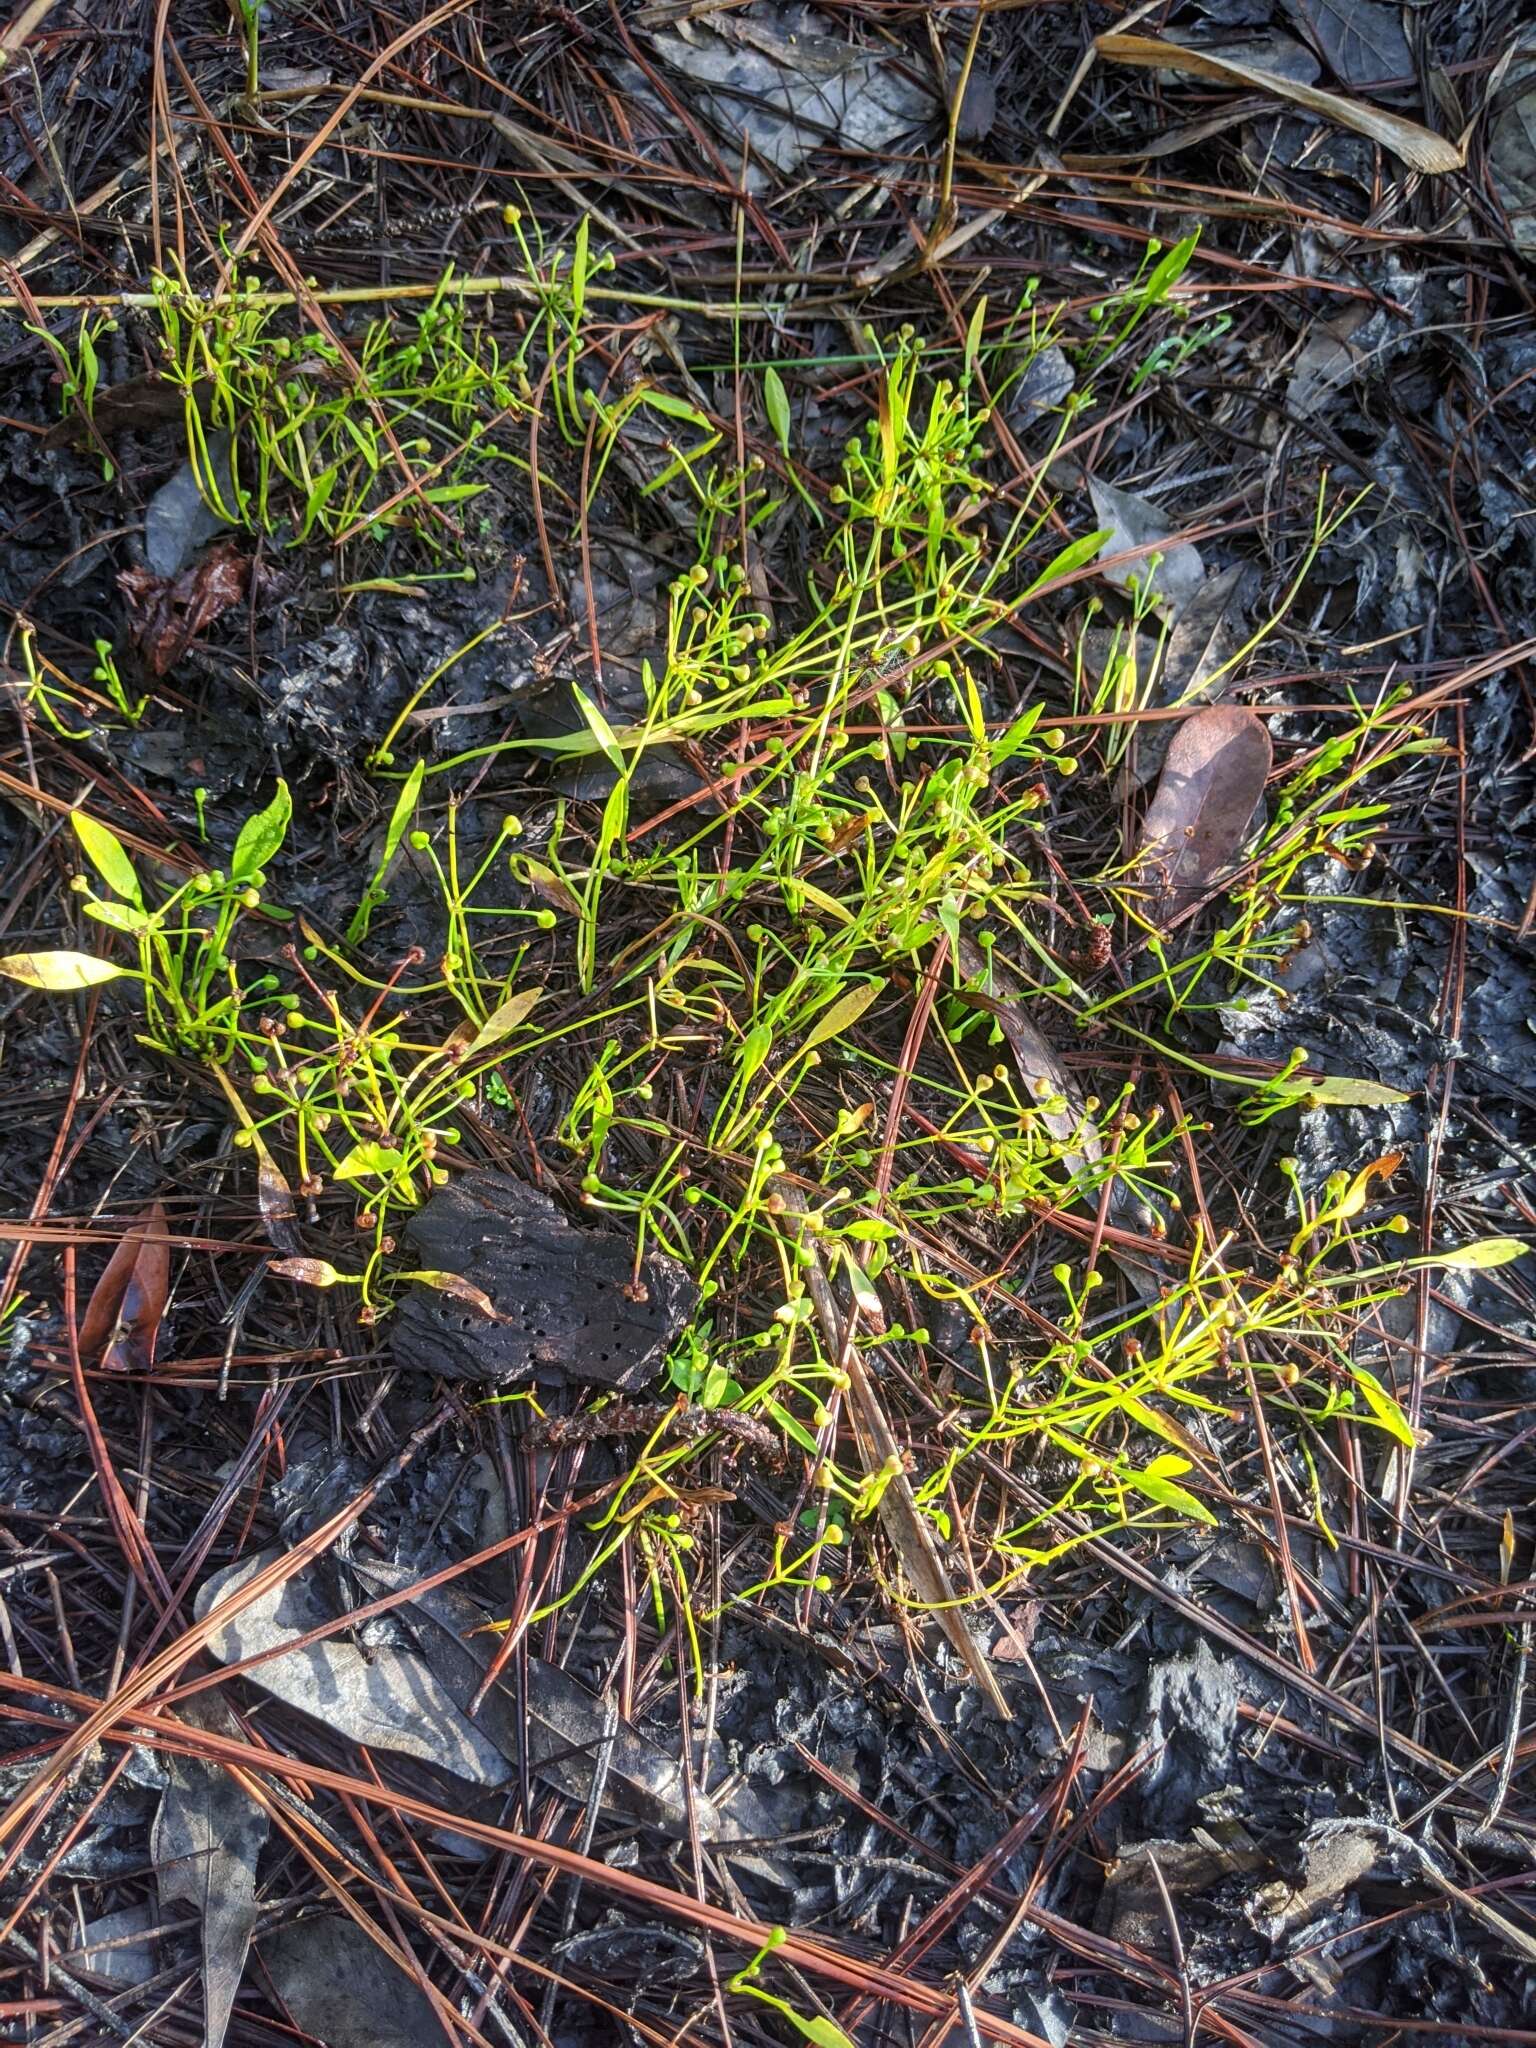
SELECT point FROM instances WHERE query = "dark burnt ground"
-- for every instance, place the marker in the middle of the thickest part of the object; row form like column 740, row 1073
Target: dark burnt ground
column 1267, row 1773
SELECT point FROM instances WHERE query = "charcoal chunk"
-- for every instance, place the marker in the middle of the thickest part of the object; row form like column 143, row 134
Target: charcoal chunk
column 566, row 1299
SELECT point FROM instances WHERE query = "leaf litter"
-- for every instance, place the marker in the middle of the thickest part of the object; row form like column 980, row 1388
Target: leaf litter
column 1309, row 1826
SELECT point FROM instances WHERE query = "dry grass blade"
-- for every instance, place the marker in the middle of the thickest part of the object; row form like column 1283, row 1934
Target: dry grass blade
column 1206, row 796
column 1417, row 146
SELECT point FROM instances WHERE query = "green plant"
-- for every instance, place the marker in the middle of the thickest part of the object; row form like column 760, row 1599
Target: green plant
column 249, row 14
column 313, row 445
column 80, row 371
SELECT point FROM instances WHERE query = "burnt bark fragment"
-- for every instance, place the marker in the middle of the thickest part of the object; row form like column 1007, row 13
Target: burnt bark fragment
column 567, row 1303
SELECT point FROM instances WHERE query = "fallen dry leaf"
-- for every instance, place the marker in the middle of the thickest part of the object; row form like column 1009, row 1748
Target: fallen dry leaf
column 1417, row 146
column 122, row 1320
column 167, row 616
column 1208, row 791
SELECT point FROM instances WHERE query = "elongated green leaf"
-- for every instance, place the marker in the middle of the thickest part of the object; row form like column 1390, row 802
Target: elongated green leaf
column 107, row 855
column 118, row 917
column 673, row 407
column 61, row 972
column 842, row 1015
column 776, row 405
column 1072, row 557
column 1382, row 1406
column 1154, row 1483
column 1479, row 1256
column 262, row 836
column 599, row 727
column 755, row 1048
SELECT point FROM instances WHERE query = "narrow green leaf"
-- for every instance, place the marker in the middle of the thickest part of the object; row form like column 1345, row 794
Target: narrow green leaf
column 1072, row 558
column 1382, row 1406
column 108, row 856
column 261, row 836
column 673, row 407
column 776, row 405
column 755, row 1048
column 118, row 917
column 1479, row 1256
column 599, row 727
column 1167, row 1494
column 405, row 808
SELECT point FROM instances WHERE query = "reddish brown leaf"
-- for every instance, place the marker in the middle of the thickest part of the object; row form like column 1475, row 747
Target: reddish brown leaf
column 1209, row 788
column 167, row 616
column 310, row 1272
column 274, row 1197
column 123, row 1319
column 460, row 1289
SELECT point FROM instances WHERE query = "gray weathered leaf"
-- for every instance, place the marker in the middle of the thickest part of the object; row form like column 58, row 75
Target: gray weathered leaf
column 207, row 1836
column 1512, row 143
column 1133, row 523
column 781, row 78
column 1362, row 41
column 388, row 1698
column 117, row 1946
column 1211, row 784
column 178, row 518
column 342, row 1989
column 1046, row 382
column 567, row 1727
column 1326, row 365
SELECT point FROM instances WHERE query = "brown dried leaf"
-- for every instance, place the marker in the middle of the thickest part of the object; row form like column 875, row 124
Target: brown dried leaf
column 274, row 1197
column 1210, row 786
column 1418, row 147
column 167, row 616
column 459, row 1289
column 123, row 1317
column 308, row 1272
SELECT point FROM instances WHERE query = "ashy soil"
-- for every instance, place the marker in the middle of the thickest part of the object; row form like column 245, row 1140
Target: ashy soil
column 801, row 1307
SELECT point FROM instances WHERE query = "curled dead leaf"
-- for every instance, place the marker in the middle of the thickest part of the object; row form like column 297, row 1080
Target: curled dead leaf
column 1418, row 147
column 122, row 1320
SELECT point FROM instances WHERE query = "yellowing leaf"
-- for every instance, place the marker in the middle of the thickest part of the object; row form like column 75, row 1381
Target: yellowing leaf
column 106, row 854
column 1337, row 1091
column 471, row 1038
column 63, row 973
column 1485, row 1252
column 1383, row 1408
column 461, row 1290
column 1354, row 1197
column 842, row 1015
